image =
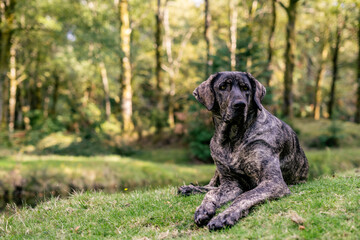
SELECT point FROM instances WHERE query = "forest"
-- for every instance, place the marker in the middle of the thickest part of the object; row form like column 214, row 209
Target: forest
column 87, row 65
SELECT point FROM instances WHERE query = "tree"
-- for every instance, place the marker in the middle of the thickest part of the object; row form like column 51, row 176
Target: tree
column 251, row 15
column 207, row 35
column 233, row 30
column 318, row 79
column 289, row 57
column 7, row 17
column 158, row 45
column 335, row 58
column 357, row 116
column 125, row 32
column 271, row 42
column 173, row 66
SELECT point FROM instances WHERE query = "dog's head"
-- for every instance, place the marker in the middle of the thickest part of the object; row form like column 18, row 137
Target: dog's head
column 231, row 95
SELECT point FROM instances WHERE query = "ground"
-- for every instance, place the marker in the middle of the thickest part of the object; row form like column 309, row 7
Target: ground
column 325, row 208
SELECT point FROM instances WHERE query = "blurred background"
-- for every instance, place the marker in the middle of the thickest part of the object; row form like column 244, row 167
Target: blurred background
column 96, row 94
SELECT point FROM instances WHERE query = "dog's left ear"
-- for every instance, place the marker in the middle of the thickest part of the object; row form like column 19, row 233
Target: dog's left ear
column 259, row 90
column 204, row 94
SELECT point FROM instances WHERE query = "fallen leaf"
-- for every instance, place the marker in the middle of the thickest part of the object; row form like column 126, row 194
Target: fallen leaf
column 77, row 228
column 296, row 218
column 301, row 227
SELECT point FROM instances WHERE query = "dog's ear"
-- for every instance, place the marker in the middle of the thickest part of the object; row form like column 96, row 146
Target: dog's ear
column 259, row 90
column 204, row 93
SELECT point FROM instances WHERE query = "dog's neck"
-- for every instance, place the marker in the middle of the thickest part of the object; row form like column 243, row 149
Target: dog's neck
column 232, row 132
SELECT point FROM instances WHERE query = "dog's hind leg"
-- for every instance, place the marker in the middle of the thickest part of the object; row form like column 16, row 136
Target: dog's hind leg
column 194, row 189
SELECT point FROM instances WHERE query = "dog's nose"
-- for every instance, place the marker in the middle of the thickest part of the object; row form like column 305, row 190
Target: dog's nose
column 239, row 104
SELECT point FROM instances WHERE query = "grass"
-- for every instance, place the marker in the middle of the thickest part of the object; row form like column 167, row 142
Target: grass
column 145, row 168
column 39, row 175
column 329, row 207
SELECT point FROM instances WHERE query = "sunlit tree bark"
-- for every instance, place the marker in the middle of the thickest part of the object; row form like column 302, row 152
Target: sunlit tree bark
column 13, row 86
column 105, row 81
column 125, row 32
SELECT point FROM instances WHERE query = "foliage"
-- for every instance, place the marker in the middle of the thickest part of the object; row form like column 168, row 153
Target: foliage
column 200, row 131
column 328, row 209
column 60, row 46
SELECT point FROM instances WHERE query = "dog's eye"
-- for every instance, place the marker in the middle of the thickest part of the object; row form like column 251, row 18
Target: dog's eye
column 245, row 88
column 222, row 87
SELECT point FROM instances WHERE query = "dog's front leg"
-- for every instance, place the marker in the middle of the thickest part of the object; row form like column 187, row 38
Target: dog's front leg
column 266, row 190
column 214, row 199
column 187, row 190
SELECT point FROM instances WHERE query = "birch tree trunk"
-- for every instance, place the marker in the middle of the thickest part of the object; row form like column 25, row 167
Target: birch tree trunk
column 105, row 82
column 13, row 87
column 233, row 30
column 125, row 32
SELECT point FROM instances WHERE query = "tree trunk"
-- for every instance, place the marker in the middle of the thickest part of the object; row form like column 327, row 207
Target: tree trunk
column 289, row 58
column 105, row 82
column 318, row 81
column 271, row 43
column 7, row 12
column 171, row 71
column 357, row 116
column 335, row 69
column 158, row 44
column 233, row 31
column 13, row 86
column 250, row 44
column 55, row 95
column 207, row 35
column 125, row 32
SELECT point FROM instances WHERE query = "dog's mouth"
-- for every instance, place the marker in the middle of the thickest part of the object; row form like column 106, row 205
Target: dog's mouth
column 231, row 116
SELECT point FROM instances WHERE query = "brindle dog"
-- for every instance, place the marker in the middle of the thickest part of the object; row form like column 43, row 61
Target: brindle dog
column 255, row 153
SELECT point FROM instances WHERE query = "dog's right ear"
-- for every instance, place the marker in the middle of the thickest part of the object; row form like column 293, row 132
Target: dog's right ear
column 204, row 93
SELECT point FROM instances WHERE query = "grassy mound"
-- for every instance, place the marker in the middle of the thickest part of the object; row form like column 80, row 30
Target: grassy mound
column 326, row 208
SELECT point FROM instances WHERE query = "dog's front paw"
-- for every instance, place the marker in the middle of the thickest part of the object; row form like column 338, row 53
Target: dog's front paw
column 225, row 219
column 185, row 190
column 203, row 215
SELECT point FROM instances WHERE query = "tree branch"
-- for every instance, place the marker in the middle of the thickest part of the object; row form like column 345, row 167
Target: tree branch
column 282, row 5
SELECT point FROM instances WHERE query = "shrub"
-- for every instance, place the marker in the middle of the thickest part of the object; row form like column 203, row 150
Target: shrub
column 331, row 138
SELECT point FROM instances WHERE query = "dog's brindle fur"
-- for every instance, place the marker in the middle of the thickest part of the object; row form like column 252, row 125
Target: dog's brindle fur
column 256, row 154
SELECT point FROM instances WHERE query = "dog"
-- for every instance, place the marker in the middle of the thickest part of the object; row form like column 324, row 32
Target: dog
column 256, row 155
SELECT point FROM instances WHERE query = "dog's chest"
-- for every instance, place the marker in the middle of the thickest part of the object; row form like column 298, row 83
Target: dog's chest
column 227, row 160
column 235, row 164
